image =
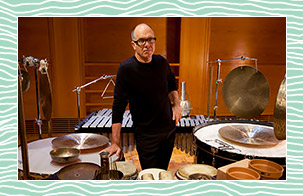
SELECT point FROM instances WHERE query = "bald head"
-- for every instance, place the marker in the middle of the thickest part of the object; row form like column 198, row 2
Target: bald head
column 139, row 28
column 143, row 42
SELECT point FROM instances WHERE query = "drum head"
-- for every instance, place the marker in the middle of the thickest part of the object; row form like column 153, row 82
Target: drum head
column 78, row 171
column 245, row 92
column 280, row 112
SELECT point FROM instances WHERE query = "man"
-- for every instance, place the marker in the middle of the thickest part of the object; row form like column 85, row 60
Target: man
column 146, row 82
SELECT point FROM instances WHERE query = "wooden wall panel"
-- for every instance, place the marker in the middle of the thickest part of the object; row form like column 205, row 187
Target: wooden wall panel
column 263, row 38
column 108, row 39
column 33, row 40
column 193, row 56
column 67, row 67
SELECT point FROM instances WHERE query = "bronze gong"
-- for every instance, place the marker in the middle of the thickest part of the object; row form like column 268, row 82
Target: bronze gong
column 280, row 112
column 26, row 81
column 245, row 92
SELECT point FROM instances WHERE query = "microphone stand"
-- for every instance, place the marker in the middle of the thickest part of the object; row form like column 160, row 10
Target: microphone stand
column 78, row 89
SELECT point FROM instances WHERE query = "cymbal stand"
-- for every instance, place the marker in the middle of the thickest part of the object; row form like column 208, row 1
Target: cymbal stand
column 78, row 89
column 22, row 131
column 219, row 80
column 31, row 61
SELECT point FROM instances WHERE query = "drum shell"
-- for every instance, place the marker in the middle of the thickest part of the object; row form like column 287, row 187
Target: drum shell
column 207, row 154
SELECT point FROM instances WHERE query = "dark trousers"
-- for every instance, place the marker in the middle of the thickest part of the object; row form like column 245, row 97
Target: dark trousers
column 155, row 149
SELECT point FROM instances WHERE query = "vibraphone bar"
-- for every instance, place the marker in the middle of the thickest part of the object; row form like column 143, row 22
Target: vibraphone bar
column 101, row 122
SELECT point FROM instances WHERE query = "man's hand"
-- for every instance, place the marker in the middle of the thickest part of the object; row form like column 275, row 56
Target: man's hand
column 112, row 149
column 177, row 112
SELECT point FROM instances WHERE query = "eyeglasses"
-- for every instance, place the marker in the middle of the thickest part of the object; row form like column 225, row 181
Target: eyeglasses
column 142, row 42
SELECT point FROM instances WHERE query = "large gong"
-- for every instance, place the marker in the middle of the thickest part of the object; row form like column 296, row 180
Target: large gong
column 280, row 112
column 245, row 92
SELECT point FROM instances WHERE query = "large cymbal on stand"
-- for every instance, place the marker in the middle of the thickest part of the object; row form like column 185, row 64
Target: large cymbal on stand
column 45, row 95
column 245, row 92
column 280, row 112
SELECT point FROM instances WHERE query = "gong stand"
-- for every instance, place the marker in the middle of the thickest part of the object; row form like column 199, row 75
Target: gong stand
column 219, row 80
column 78, row 89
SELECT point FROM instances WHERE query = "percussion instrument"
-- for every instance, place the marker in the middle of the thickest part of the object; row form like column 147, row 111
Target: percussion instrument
column 45, row 90
column 41, row 164
column 80, row 141
column 268, row 170
column 78, row 171
column 214, row 150
column 129, row 170
column 242, row 173
column 26, row 81
column 153, row 171
column 280, row 112
column 166, row 175
column 100, row 122
column 249, row 134
column 184, row 172
column 199, row 176
column 245, row 92
column 64, row 155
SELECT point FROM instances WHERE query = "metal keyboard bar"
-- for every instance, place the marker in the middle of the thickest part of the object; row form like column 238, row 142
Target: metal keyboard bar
column 89, row 122
column 103, row 122
column 96, row 122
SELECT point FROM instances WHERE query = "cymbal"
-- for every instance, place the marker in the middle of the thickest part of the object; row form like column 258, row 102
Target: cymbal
column 45, row 95
column 26, row 81
column 78, row 171
column 245, row 92
column 280, row 112
column 80, row 140
column 249, row 134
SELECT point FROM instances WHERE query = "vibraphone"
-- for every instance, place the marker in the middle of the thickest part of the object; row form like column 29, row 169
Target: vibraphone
column 101, row 122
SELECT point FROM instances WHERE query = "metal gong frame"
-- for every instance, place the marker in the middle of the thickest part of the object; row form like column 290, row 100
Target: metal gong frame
column 219, row 80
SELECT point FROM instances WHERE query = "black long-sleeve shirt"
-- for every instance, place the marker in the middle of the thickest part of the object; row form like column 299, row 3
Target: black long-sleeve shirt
column 145, row 86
